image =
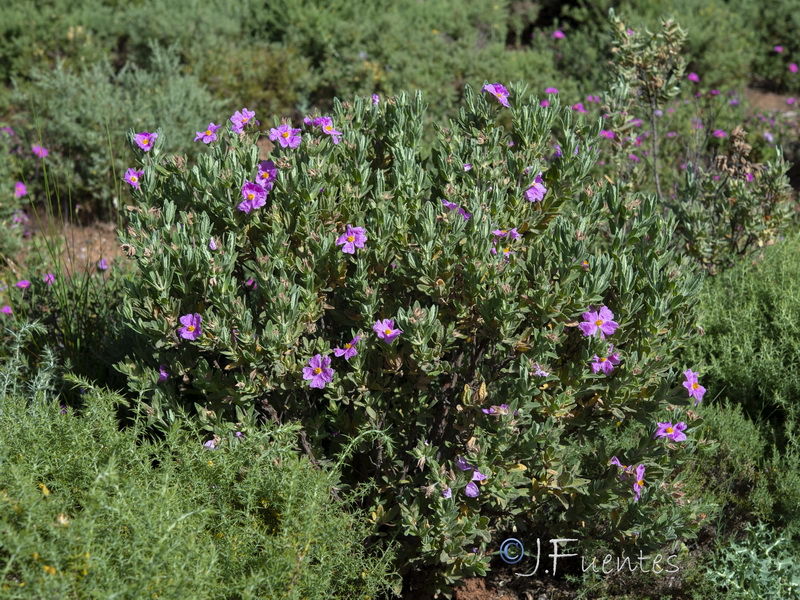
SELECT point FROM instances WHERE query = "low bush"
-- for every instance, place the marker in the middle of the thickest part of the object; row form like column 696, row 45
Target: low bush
column 88, row 510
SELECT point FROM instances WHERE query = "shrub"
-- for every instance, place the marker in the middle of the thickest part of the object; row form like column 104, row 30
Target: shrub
column 257, row 294
column 88, row 510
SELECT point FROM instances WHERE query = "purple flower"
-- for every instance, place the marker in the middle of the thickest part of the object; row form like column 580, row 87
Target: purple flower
column 326, row 123
column 375, row 99
column 472, row 490
column 496, row 410
column 20, row 190
column 539, row 371
column 241, row 119
column 512, row 233
column 550, row 90
column 254, row 196
column 638, row 485
column 464, row 213
column 467, row 167
column 267, row 172
column 6, row 309
column 749, row 177
column 626, row 469
column 239, row 434
column 675, row 433
column 212, row 245
column 691, row 384
column 580, row 108
column 163, row 375
column 39, row 151
column 318, row 371
column 558, row 34
column 352, row 238
column 791, row 100
column 499, row 92
column 793, row 67
column 719, row 133
column 211, row 445
column 23, row 284
column 449, row 205
column 447, row 492
column 133, row 176
column 633, row 157
column 386, row 331
column 606, row 364
column 478, row 476
column 601, row 321
column 536, row 192
column 349, row 350
column 209, row 135
column 778, row 49
column 607, row 134
column 145, row 140
column 286, row 136
column 8, row 131
column 49, row 278
column 463, row 465
column 693, row 77
column 544, row 103
column 191, row 329
column 671, row 134
column 102, row 265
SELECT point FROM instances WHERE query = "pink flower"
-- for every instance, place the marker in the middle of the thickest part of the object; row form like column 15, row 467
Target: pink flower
column 778, row 49
column 606, row 364
column 792, row 67
column 638, row 485
column 693, row 77
column 675, row 433
column 163, row 375
column 558, row 34
column 254, row 196
column 209, row 135
column 318, row 371
column 349, row 350
column 580, row 108
column 6, row 310
column 691, row 384
column 20, row 190
column 241, row 119
column 601, row 321
column 375, row 99
column 267, row 172
column 39, row 151
column 386, row 330
column 499, row 92
column 286, row 136
column 326, row 124
column 50, row 279
column 607, row 134
column 23, row 284
column 536, row 192
column 132, row 176
column 550, row 90
column 191, row 329
column 719, row 133
column 544, row 103
column 352, row 238
column 145, row 140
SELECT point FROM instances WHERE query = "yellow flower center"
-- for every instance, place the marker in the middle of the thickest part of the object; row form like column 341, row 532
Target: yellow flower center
column 317, row 371
column 586, row 263
column 190, row 328
column 503, row 232
column 640, row 483
column 209, row 132
column 328, row 127
column 670, row 430
column 387, row 331
column 695, row 385
column 146, row 141
column 285, row 134
column 598, row 322
column 245, row 120
column 134, row 178
column 350, row 238
column 604, row 359
column 265, row 176
column 347, row 346
column 250, row 196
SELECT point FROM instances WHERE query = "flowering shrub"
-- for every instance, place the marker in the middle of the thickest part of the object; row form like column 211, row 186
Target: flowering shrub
column 357, row 302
